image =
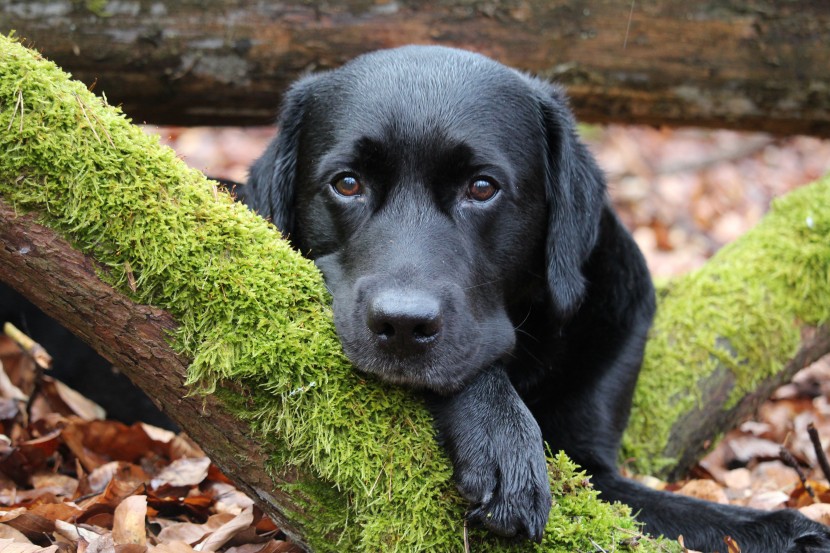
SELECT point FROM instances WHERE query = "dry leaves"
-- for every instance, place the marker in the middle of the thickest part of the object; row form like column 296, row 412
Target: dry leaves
column 70, row 481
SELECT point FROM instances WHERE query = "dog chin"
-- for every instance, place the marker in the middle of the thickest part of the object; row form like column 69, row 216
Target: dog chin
column 441, row 378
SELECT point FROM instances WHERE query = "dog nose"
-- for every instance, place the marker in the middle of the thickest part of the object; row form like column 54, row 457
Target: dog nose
column 405, row 320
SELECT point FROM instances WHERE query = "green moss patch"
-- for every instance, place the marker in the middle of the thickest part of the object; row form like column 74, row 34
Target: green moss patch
column 252, row 310
column 741, row 313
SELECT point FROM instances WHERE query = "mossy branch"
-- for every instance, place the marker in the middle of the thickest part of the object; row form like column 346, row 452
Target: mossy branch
column 355, row 463
column 729, row 333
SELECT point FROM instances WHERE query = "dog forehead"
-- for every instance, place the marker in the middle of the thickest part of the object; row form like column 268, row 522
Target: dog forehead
column 420, row 90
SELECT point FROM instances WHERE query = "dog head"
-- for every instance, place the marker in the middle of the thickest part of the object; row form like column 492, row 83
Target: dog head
column 439, row 192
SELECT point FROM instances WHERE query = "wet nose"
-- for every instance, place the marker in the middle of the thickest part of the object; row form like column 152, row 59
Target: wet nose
column 405, row 320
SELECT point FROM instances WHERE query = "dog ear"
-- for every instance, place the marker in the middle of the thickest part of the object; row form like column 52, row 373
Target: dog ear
column 575, row 189
column 272, row 177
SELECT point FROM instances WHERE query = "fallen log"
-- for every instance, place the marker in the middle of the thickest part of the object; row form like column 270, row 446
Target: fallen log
column 743, row 65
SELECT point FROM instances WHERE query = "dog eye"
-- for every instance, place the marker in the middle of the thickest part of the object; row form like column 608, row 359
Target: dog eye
column 481, row 190
column 347, row 185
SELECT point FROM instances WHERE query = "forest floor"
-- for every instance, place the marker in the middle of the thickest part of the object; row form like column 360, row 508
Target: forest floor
column 72, row 481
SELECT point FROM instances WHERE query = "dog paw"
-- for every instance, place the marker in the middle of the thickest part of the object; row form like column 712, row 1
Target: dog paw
column 508, row 490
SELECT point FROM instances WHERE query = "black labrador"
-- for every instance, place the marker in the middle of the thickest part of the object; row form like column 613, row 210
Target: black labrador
column 466, row 237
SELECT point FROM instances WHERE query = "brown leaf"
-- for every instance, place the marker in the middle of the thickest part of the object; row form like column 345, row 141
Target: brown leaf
column 182, row 472
column 56, row 511
column 9, row 533
column 129, row 526
column 100, row 478
column 172, row 547
column 704, row 489
column 78, row 404
column 183, row 446
column 731, row 545
column 227, row 531
column 10, row 546
column 60, row 485
column 189, row 532
column 33, row 526
column 74, row 532
column 98, row 442
column 820, row 512
column 116, row 491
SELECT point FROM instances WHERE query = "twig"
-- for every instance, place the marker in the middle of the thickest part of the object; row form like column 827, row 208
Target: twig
column 788, row 459
column 88, row 120
column 598, row 546
column 17, row 105
column 820, row 454
column 466, row 537
column 38, row 352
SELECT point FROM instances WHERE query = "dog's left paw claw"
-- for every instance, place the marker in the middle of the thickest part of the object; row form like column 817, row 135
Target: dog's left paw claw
column 522, row 515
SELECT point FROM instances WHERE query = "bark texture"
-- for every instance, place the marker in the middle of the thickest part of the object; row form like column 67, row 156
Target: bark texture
column 40, row 264
column 746, row 64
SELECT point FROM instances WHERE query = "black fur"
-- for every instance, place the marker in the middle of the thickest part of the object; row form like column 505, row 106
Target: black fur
column 522, row 317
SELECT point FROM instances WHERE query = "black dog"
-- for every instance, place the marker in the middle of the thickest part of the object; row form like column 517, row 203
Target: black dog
column 467, row 240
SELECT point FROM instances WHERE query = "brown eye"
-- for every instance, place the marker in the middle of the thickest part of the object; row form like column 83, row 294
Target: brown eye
column 348, row 186
column 481, row 190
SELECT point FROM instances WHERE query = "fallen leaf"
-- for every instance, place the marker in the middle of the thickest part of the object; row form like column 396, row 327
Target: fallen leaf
column 227, row 531
column 10, row 546
column 189, row 532
column 9, row 533
column 731, row 545
column 78, row 404
column 820, row 512
column 128, row 526
column 704, row 489
column 60, row 485
column 172, row 547
column 101, row 544
column 74, row 532
column 182, row 472
column 34, row 527
column 99, row 479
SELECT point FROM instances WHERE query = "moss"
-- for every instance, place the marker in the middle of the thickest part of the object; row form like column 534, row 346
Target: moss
column 252, row 310
column 741, row 313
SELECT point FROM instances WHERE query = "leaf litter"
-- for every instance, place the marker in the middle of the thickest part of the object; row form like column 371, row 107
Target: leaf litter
column 72, row 481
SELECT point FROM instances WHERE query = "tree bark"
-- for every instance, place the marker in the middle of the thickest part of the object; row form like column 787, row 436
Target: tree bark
column 40, row 264
column 744, row 64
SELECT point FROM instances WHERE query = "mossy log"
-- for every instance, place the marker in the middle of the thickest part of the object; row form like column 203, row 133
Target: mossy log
column 749, row 64
column 725, row 336
column 353, row 462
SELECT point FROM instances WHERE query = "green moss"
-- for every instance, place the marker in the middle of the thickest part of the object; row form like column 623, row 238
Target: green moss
column 741, row 313
column 253, row 311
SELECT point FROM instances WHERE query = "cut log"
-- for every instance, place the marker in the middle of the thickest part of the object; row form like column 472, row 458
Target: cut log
column 745, row 65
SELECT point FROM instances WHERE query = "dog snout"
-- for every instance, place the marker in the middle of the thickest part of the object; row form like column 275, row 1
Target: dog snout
column 406, row 321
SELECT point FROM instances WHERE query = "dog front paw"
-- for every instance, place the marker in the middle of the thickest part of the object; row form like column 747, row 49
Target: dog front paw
column 503, row 473
column 509, row 494
column 497, row 454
